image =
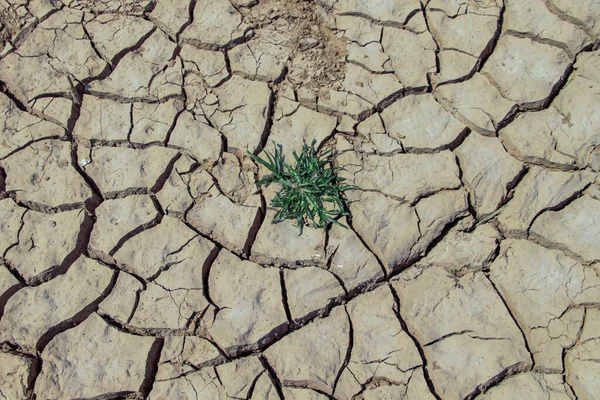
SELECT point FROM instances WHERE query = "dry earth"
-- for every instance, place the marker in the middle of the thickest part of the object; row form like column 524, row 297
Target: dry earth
column 138, row 258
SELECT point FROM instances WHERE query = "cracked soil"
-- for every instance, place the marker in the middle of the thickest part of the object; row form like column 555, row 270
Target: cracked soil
column 137, row 256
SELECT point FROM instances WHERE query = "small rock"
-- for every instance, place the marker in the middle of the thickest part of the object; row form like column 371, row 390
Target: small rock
column 308, row 43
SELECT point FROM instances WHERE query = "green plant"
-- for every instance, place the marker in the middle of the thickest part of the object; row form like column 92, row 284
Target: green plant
column 311, row 191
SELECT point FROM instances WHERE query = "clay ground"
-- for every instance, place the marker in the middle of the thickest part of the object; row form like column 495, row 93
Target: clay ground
column 138, row 256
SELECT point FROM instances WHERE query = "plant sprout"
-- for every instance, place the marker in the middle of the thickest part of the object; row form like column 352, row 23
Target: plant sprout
column 311, row 192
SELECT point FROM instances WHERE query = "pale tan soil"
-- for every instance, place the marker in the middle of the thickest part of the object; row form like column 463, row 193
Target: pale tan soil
column 137, row 256
column 317, row 56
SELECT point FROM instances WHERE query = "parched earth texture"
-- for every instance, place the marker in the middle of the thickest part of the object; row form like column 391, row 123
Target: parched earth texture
column 138, row 256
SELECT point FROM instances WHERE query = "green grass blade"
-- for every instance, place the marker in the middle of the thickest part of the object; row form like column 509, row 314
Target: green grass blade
column 310, row 192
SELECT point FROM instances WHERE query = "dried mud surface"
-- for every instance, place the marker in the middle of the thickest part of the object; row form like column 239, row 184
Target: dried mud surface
column 137, row 256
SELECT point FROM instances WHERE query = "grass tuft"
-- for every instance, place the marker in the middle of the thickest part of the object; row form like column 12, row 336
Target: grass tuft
column 311, row 192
